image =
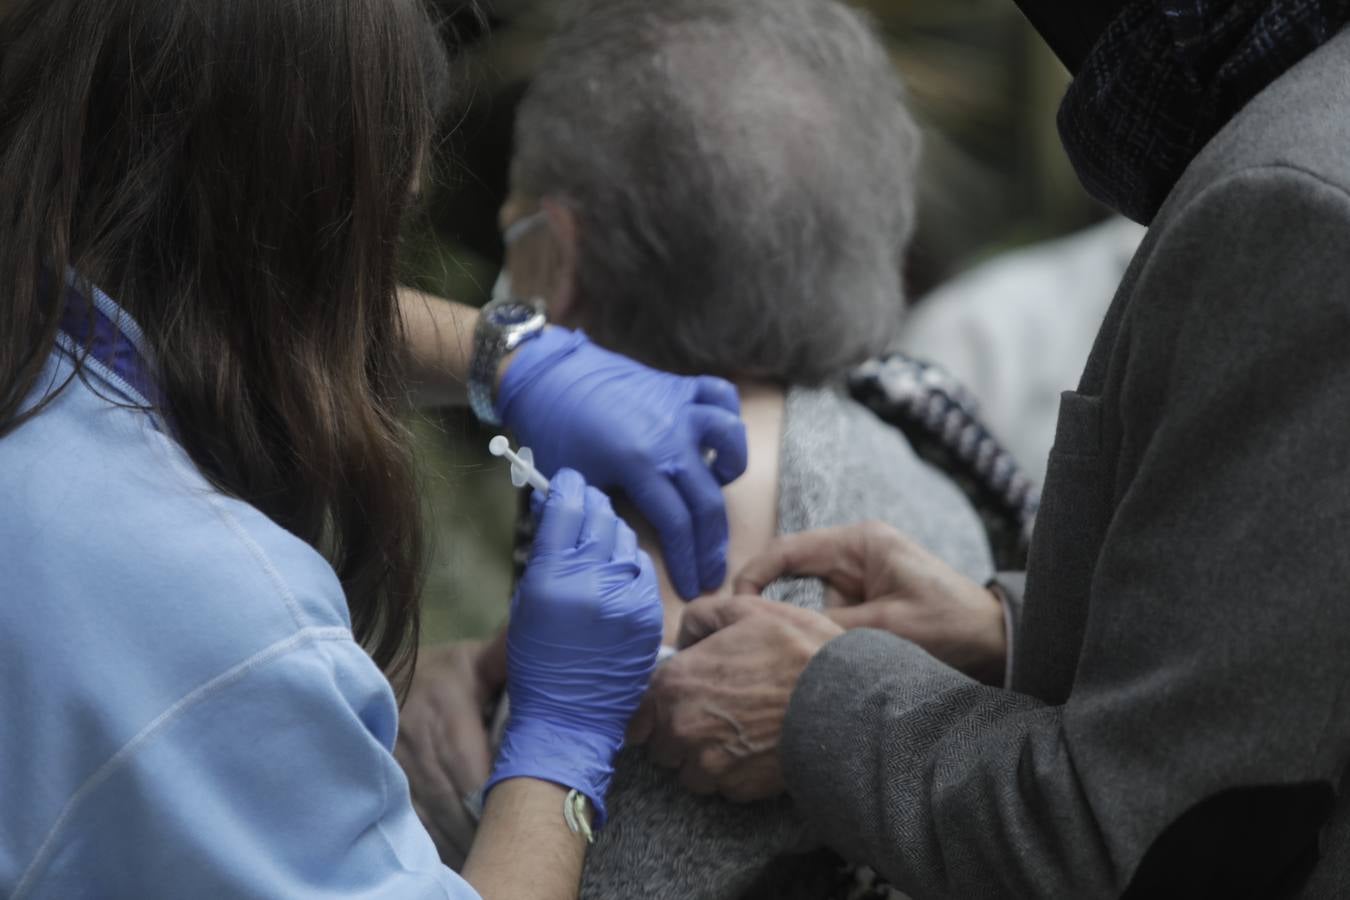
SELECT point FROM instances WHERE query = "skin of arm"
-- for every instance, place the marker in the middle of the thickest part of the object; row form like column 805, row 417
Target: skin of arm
column 525, row 813
column 443, row 743
column 440, row 344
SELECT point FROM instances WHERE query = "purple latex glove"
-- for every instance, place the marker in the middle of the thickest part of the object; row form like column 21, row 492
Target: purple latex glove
column 580, row 649
column 623, row 425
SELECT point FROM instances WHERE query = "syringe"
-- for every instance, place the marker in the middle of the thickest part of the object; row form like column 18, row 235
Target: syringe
column 523, row 471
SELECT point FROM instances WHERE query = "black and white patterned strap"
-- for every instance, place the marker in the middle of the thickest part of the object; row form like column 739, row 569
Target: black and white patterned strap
column 941, row 420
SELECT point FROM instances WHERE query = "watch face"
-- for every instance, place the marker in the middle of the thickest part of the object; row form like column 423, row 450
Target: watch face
column 511, row 315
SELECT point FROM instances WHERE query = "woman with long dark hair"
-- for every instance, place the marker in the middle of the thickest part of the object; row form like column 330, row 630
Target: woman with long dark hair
column 209, row 542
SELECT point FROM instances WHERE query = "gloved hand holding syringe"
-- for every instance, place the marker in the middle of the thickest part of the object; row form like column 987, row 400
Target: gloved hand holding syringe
column 645, row 433
column 582, row 640
column 523, row 472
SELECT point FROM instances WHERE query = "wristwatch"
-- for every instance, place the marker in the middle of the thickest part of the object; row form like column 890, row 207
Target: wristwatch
column 503, row 325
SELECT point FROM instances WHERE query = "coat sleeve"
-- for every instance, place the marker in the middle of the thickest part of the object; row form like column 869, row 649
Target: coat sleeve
column 1213, row 664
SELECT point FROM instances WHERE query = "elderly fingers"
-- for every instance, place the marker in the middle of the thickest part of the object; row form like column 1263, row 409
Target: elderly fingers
column 833, row 554
column 708, row 615
column 701, row 773
column 758, row 779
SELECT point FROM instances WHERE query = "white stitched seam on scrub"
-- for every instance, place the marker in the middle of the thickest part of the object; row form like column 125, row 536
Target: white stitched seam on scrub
column 205, row 691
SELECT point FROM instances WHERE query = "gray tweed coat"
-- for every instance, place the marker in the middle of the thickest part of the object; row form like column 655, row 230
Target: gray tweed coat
column 1179, row 716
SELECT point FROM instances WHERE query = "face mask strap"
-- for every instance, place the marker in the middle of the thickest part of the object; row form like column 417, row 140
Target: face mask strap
column 521, row 227
column 512, row 233
column 501, row 289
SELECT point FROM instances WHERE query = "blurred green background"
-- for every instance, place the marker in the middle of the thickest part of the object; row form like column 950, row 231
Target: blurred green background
column 993, row 176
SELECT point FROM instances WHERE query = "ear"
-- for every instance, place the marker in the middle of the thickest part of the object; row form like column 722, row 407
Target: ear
column 564, row 303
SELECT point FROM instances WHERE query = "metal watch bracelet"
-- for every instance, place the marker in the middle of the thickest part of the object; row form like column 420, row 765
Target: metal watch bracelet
column 503, row 325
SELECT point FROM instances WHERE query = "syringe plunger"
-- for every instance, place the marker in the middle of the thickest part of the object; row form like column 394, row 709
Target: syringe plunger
column 523, row 471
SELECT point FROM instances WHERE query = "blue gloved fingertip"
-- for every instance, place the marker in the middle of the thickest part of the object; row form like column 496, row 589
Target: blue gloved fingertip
column 567, row 484
column 687, row 586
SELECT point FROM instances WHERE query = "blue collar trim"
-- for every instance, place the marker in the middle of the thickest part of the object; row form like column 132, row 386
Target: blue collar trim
column 102, row 334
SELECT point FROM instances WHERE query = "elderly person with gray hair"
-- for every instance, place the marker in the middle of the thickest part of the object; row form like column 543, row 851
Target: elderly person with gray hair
column 720, row 188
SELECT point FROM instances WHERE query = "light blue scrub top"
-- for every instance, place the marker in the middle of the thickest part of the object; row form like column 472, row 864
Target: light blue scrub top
column 183, row 710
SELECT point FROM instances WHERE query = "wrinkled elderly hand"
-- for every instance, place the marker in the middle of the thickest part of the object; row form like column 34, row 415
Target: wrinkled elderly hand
column 442, row 740
column 715, row 711
column 878, row 578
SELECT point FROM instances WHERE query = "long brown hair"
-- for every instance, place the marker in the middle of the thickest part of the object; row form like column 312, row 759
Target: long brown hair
column 234, row 173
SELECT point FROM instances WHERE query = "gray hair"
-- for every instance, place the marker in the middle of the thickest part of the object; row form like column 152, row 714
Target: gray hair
column 742, row 172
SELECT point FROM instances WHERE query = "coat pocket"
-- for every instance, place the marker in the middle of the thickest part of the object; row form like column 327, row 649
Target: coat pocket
column 1064, row 549
column 1079, row 430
